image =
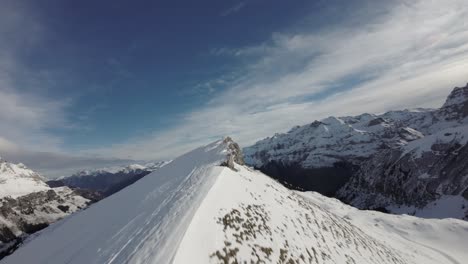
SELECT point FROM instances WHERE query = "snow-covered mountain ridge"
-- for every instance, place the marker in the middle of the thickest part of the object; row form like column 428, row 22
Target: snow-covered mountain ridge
column 407, row 158
column 117, row 169
column 195, row 211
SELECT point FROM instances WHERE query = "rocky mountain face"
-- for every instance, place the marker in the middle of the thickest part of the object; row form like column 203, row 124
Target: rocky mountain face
column 400, row 161
column 100, row 183
column 28, row 205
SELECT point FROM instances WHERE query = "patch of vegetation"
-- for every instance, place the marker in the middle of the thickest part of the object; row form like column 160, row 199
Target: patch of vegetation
column 245, row 224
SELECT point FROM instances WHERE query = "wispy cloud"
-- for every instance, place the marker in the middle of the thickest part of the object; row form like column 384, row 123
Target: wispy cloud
column 26, row 114
column 233, row 9
column 409, row 57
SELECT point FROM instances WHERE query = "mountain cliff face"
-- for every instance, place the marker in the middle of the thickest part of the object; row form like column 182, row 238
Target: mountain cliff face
column 28, row 205
column 204, row 207
column 403, row 161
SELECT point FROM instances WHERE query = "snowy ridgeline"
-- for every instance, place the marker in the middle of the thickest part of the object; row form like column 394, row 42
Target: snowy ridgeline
column 195, row 211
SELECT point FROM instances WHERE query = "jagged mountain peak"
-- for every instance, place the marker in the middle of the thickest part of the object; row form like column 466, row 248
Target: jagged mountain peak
column 456, row 105
column 459, row 95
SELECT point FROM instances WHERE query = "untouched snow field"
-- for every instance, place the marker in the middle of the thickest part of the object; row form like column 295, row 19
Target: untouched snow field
column 194, row 211
column 249, row 217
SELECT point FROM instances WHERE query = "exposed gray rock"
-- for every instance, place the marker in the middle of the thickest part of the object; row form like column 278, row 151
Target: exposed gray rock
column 234, row 154
column 377, row 121
column 30, row 213
column 456, row 105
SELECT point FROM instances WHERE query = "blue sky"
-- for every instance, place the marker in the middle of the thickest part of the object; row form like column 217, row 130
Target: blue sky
column 108, row 81
column 133, row 67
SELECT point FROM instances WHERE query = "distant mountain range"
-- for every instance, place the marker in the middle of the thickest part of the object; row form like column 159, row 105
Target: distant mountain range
column 409, row 161
column 100, row 183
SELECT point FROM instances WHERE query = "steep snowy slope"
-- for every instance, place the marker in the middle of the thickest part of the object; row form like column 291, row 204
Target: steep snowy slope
column 143, row 223
column 17, row 180
column 194, row 211
column 259, row 220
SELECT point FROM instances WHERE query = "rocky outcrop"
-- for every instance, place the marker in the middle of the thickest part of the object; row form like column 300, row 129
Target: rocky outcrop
column 28, row 204
column 234, row 154
column 27, row 214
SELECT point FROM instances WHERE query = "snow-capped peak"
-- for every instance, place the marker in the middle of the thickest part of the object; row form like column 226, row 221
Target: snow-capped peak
column 17, row 180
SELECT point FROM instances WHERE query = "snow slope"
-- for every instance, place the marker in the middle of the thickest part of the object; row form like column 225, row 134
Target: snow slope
column 144, row 223
column 194, row 211
column 17, row 180
column 259, row 220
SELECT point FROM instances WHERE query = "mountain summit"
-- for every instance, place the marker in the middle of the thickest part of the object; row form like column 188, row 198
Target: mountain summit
column 205, row 207
column 17, row 180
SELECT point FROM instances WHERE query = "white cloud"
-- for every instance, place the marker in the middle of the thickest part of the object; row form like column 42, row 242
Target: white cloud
column 24, row 116
column 26, row 113
column 233, row 9
column 410, row 57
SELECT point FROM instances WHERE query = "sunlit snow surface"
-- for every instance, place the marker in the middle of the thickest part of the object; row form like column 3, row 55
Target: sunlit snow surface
column 17, row 180
column 144, row 223
column 192, row 211
column 249, row 217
